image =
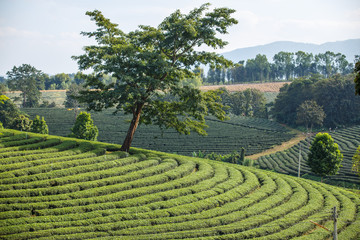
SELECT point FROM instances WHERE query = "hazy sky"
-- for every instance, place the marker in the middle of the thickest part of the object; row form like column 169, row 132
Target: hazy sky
column 46, row 33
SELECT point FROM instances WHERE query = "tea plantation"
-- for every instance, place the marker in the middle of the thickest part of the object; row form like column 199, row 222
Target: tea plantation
column 62, row 188
column 254, row 134
column 286, row 161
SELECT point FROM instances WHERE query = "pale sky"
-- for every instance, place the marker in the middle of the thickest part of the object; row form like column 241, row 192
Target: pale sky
column 46, row 33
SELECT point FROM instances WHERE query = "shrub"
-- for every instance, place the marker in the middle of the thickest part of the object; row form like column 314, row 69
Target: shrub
column 84, row 127
column 39, row 125
column 21, row 123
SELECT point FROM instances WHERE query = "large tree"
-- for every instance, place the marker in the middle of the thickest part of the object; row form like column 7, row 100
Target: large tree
column 324, row 157
column 151, row 62
column 309, row 112
column 29, row 81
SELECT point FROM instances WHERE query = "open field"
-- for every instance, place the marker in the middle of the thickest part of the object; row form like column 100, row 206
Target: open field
column 270, row 90
column 254, row 134
column 286, row 161
column 57, row 188
column 263, row 87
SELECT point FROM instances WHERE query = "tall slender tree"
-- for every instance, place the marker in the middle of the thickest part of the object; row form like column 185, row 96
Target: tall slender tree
column 153, row 60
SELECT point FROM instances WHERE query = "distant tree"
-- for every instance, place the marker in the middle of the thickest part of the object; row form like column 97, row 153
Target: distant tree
column 356, row 161
column 285, row 64
column 303, row 62
column 60, row 81
column 84, row 127
column 21, row 123
column 3, row 88
column 150, row 61
column 290, row 98
column 357, row 78
column 324, row 157
column 71, row 102
column 29, row 81
column 79, row 78
column 255, row 102
column 39, row 125
column 309, row 112
column 8, row 111
column 336, row 96
column 262, row 66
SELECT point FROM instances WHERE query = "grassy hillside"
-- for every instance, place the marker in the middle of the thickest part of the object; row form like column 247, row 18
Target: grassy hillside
column 286, row 161
column 61, row 188
column 255, row 135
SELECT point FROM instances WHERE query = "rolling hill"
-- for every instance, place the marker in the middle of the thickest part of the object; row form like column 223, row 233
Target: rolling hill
column 286, row 161
column 254, row 134
column 62, row 188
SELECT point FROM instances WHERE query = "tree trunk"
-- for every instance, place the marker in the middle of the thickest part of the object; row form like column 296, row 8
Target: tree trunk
column 133, row 125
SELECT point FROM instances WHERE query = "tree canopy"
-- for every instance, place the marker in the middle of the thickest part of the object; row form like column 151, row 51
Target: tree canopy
column 39, row 125
column 309, row 112
column 29, row 81
column 84, row 127
column 324, row 157
column 8, row 111
column 150, row 62
column 334, row 94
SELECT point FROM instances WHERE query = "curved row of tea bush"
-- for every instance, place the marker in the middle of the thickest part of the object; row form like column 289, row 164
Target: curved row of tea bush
column 74, row 189
column 253, row 134
column 287, row 161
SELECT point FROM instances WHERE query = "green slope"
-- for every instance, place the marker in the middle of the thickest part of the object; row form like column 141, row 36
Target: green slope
column 62, row 188
column 254, row 134
column 286, row 161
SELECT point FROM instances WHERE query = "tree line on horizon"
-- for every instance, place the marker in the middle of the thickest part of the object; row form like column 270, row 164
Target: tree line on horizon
column 285, row 66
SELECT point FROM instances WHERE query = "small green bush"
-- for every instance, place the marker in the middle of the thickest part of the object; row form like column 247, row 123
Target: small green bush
column 84, row 127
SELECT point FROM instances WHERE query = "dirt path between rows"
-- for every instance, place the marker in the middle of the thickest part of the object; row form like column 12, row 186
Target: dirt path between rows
column 285, row 145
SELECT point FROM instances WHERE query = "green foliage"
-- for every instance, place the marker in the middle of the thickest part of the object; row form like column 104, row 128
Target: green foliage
column 251, row 102
column 309, row 112
column 287, row 161
column 285, row 66
column 8, row 111
column 29, row 81
column 356, row 161
column 242, row 156
column 357, row 78
column 39, row 126
column 324, row 157
column 150, row 61
column 21, row 123
column 3, row 88
column 1, row 125
column 84, row 127
column 254, row 134
column 335, row 95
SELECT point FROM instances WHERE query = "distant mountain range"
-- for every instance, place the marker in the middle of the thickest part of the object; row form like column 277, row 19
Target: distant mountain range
column 349, row 48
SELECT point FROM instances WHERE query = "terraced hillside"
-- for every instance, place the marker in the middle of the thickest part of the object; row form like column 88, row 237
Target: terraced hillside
column 61, row 188
column 286, row 161
column 254, row 134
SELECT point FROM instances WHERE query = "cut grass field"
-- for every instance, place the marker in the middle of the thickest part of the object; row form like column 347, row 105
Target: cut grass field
column 62, row 188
